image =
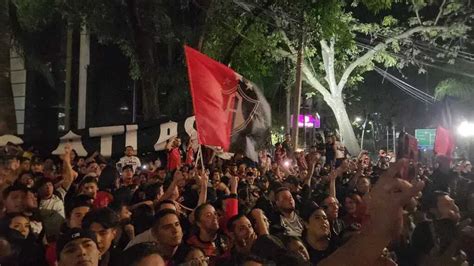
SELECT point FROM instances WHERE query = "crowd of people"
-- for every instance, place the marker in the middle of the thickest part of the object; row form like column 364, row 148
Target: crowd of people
column 315, row 207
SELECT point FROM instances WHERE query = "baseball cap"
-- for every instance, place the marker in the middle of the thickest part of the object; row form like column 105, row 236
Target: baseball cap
column 71, row 235
column 308, row 209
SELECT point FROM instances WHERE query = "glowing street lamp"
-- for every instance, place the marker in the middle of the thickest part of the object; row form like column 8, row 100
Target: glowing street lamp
column 358, row 119
column 466, row 129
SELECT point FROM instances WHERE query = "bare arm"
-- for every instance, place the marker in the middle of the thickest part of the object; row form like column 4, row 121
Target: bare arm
column 385, row 206
column 68, row 173
column 178, row 176
column 203, row 190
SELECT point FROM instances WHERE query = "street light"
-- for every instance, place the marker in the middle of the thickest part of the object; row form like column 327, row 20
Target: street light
column 466, row 129
column 358, row 119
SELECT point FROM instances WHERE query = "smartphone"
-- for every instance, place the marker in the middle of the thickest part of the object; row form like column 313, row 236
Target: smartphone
column 408, row 149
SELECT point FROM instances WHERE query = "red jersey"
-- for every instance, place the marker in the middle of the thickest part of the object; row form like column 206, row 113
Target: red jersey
column 174, row 159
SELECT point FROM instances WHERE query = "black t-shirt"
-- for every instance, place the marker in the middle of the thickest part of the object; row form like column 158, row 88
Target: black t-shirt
column 317, row 256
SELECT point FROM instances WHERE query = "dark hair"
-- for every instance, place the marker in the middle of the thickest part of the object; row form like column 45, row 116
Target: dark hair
column 103, row 216
column 430, row 199
column 159, row 215
column 230, row 223
column 162, row 203
column 183, row 251
column 279, row 190
column 88, row 179
column 76, row 202
column 91, row 162
column 10, row 189
column 133, row 255
column 129, row 146
column 152, row 190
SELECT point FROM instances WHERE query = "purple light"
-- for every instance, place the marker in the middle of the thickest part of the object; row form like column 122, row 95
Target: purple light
column 310, row 121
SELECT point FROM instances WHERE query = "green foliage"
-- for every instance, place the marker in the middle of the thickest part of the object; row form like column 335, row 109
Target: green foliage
column 461, row 89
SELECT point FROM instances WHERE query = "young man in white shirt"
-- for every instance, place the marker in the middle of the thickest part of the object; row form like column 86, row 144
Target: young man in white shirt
column 130, row 159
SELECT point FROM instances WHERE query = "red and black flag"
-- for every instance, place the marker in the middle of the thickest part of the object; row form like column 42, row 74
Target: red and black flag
column 444, row 141
column 230, row 111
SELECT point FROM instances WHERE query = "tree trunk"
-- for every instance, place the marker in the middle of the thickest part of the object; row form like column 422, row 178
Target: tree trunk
column 345, row 126
column 7, row 106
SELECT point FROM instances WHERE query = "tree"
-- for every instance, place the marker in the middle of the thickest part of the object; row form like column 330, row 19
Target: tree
column 341, row 61
column 7, row 108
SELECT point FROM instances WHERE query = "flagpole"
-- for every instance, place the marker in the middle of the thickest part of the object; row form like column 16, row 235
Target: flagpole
column 202, row 157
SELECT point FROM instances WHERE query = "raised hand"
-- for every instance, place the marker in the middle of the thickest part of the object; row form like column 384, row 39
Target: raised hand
column 387, row 199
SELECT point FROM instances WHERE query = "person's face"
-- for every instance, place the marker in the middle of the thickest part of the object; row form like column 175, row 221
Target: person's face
column 363, row 185
column 37, row 168
column 93, row 168
column 209, row 219
column 129, row 151
column 151, row 260
column 127, row 176
column 169, row 231
column 105, row 236
column 332, row 208
column 285, row 201
column 243, row 231
column 318, row 224
column 162, row 174
column 21, row 224
column 298, row 247
column 81, row 162
column 196, row 258
column 287, row 137
column 15, row 202
column 350, row 205
column 216, row 177
column 47, row 190
column 82, row 251
column 25, row 165
column 31, row 201
column 77, row 214
column 125, row 214
column 447, row 208
column 14, row 164
column 90, row 189
column 27, row 180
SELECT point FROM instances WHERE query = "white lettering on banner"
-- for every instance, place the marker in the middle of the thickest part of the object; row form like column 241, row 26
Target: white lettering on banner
column 131, row 136
column 167, row 131
column 105, row 134
column 189, row 125
column 74, row 141
column 4, row 139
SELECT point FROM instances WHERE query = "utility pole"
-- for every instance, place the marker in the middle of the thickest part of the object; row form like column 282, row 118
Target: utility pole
column 67, row 90
column 297, row 92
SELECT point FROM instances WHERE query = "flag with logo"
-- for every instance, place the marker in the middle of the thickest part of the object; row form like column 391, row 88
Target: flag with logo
column 231, row 112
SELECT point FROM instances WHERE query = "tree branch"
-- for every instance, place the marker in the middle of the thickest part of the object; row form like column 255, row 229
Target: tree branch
column 416, row 12
column 309, row 76
column 379, row 47
column 238, row 40
column 328, row 59
column 439, row 13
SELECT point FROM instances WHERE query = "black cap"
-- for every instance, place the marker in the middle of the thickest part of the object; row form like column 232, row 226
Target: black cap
column 308, row 209
column 71, row 235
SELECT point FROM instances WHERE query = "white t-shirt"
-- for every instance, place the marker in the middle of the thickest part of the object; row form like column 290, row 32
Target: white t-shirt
column 52, row 212
column 130, row 160
column 144, row 237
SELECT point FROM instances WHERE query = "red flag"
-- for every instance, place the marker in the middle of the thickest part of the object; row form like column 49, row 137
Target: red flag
column 209, row 81
column 231, row 112
column 444, row 142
